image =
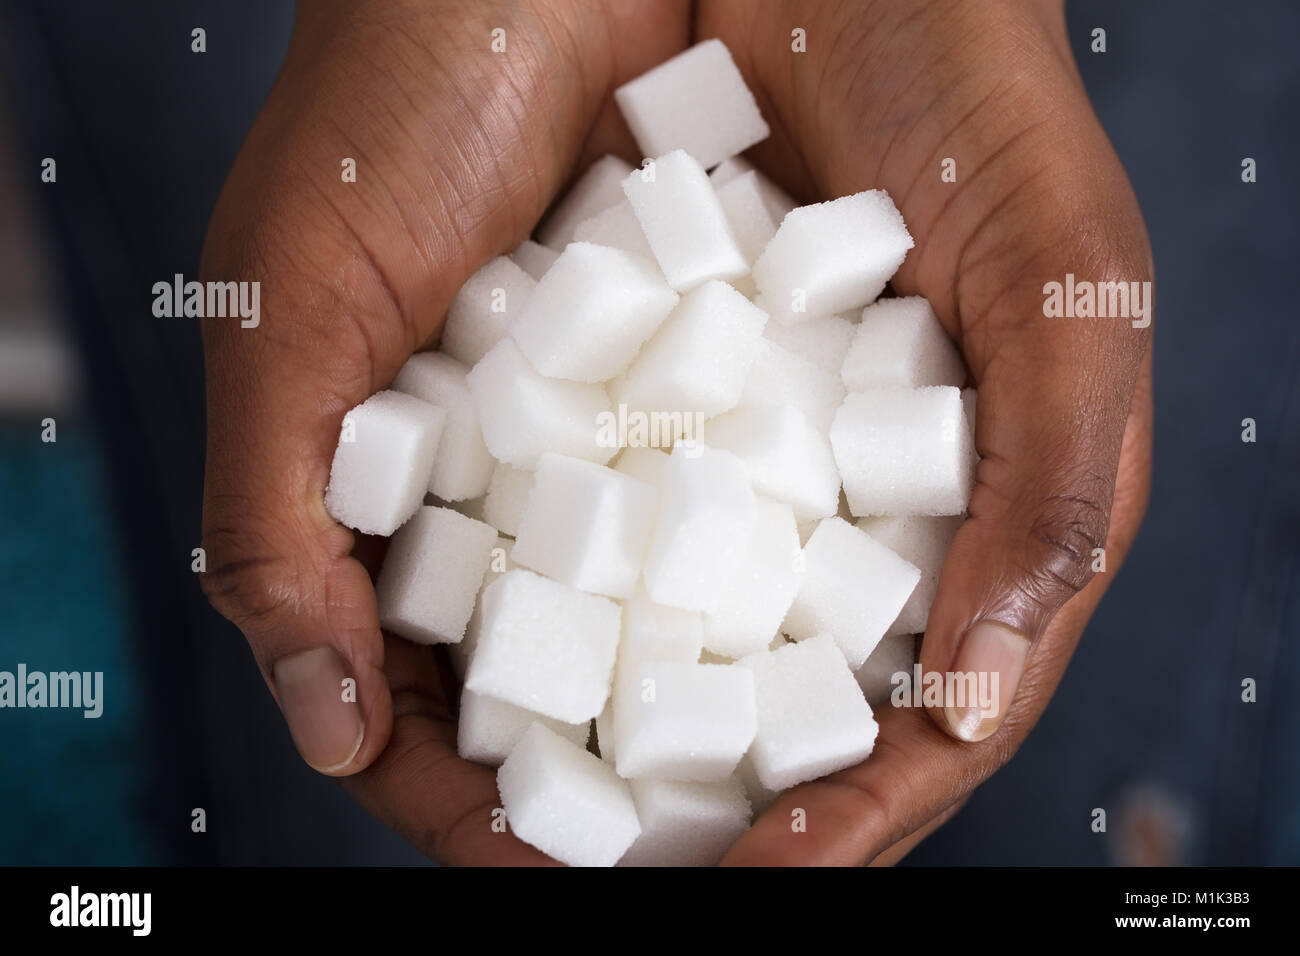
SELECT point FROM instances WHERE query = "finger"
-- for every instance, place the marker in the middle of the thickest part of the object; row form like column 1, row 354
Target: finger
column 1054, row 397
column 447, row 808
column 917, row 771
column 354, row 276
column 896, row 853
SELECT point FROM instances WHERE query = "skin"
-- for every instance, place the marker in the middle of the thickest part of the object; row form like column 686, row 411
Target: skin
column 459, row 152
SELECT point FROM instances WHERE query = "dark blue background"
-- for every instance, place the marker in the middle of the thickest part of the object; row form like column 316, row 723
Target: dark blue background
column 95, row 559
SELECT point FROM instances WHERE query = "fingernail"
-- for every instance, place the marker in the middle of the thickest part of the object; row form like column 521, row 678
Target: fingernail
column 995, row 654
column 326, row 728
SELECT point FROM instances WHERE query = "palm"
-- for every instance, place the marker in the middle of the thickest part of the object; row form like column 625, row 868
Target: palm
column 878, row 105
column 458, row 152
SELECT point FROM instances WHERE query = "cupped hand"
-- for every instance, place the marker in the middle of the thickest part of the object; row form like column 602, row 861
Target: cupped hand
column 458, row 150
column 885, row 94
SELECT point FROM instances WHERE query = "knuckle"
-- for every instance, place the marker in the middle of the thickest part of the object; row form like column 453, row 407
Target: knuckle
column 1067, row 531
column 247, row 588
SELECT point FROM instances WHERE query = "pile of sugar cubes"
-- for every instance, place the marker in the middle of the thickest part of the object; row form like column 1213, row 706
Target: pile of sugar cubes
column 676, row 488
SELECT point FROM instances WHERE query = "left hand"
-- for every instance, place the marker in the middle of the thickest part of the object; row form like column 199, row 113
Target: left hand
column 884, row 93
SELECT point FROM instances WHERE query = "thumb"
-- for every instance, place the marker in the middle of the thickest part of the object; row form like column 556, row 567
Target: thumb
column 1054, row 399
column 278, row 565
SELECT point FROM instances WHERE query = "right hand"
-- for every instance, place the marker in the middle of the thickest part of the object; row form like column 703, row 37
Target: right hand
column 458, row 152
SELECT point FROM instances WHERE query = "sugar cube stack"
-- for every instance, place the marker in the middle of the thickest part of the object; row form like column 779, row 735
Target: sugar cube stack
column 690, row 484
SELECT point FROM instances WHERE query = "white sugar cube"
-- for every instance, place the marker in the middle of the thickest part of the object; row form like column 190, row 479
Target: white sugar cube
column 853, row 588
column 605, row 733
column 684, row 222
column 487, row 729
column 643, row 464
column 706, row 517
column 785, row 456
column 761, row 588
column 750, row 219
column 904, row 451
column 545, row 646
column 431, row 575
column 832, row 256
column 565, row 801
column 618, row 228
column 500, row 563
column 682, row 721
column 696, row 101
column 462, row 466
column 535, row 258
column 586, row 525
column 654, row 632
column 382, row 463
column 812, row 717
column 600, row 187
column 780, row 377
column 901, row 342
column 776, row 199
column 686, row 824
column 587, row 318
column 921, row 541
column 699, row 359
column 524, row 414
column 824, row 341
column 895, row 653
column 506, row 498
column 759, row 796
column 485, row 309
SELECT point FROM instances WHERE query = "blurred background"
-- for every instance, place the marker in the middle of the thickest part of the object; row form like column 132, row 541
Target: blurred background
column 98, row 526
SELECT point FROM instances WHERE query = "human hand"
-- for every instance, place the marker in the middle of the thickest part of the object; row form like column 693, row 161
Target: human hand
column 458, row 151
column 885, row 92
